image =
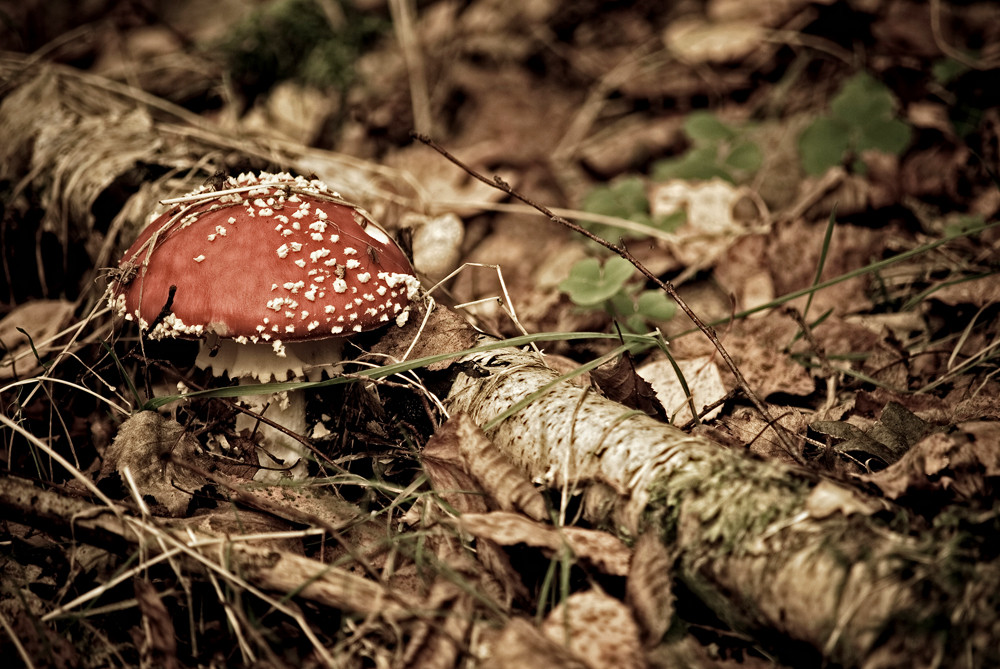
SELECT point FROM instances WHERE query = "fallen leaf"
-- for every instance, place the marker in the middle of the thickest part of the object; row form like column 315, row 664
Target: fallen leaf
column 649, row 589
column 696, row 40
column 711, row 225
column 598, row 629
column 703, row 381
column 964, row 464
column 144, row 446
column 621, row 382
column 40, row 320
column 828, row 498
column 888, row 439
column 757, row 346
column 520, row 644
column 979, row 293
column 601, row 549
column 461, row 460
column 158, row 643
column 745, row 426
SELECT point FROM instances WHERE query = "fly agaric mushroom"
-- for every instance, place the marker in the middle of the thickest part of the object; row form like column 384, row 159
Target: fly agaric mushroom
column 266, row 269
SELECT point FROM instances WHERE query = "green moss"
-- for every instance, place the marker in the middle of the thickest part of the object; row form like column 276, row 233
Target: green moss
column 733, row 499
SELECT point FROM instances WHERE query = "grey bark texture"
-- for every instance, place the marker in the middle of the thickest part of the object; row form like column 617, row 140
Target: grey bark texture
column 773, row 550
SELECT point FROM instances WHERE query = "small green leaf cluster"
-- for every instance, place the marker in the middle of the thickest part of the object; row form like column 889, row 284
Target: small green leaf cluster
column 862, row 117
column 591, row 285
column 293, row 39
column 717, row 150
column 625, row 198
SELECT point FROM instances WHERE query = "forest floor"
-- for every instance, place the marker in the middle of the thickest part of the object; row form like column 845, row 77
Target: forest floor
column 818, row 182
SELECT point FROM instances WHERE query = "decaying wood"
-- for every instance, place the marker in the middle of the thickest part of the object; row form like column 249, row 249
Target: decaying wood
column 770, row 548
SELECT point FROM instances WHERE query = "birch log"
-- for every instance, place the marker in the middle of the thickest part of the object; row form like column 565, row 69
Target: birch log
column 810, row 566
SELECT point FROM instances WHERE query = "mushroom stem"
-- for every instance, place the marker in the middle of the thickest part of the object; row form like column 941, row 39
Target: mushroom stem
column 282, row 455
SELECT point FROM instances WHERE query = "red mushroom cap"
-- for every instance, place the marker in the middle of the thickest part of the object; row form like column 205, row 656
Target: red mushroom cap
column 265, row 258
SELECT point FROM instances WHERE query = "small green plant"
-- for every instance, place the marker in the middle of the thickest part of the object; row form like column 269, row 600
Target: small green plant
column 956, row 77
column 717, row 150
column 862, row 117
column 625, row 198
column 294, row 39
column 609, row 287
column 947, row 70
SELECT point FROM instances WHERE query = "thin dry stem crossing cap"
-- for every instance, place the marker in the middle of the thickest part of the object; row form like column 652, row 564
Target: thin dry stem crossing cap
column 264, row 258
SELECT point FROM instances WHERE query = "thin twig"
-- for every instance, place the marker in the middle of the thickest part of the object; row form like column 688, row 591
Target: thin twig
column 665, row 286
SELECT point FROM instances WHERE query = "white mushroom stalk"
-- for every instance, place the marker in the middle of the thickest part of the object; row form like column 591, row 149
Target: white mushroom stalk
column 277, row 267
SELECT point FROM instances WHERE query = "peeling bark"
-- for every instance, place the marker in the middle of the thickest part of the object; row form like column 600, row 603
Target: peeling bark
column 772, row 549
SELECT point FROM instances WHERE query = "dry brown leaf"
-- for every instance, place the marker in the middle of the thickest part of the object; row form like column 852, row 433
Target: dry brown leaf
column 695, row 40
column 964, row 464
column 629, row 143
column 794, row 256
column 444, row 332
column 460, row 447
column 747, row 427
column 702, row 378
column 520, row 644
column 605, row 551
column 888, row 365
column 599, row 629
column 979, row 293
column 743, row 272
column 828, row 498
column 907, row 27
column 445, row 188
column 888, row 438
column 157, row 641
column 757, row 347
column 292, row 111
column 711, row 224
column 438, row 645
column 144, row 444
column 622, row 383
column 40, row 320
column 649, row 589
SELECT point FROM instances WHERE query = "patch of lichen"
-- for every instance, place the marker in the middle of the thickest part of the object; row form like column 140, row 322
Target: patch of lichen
column 733, row 499
column 294, row 40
